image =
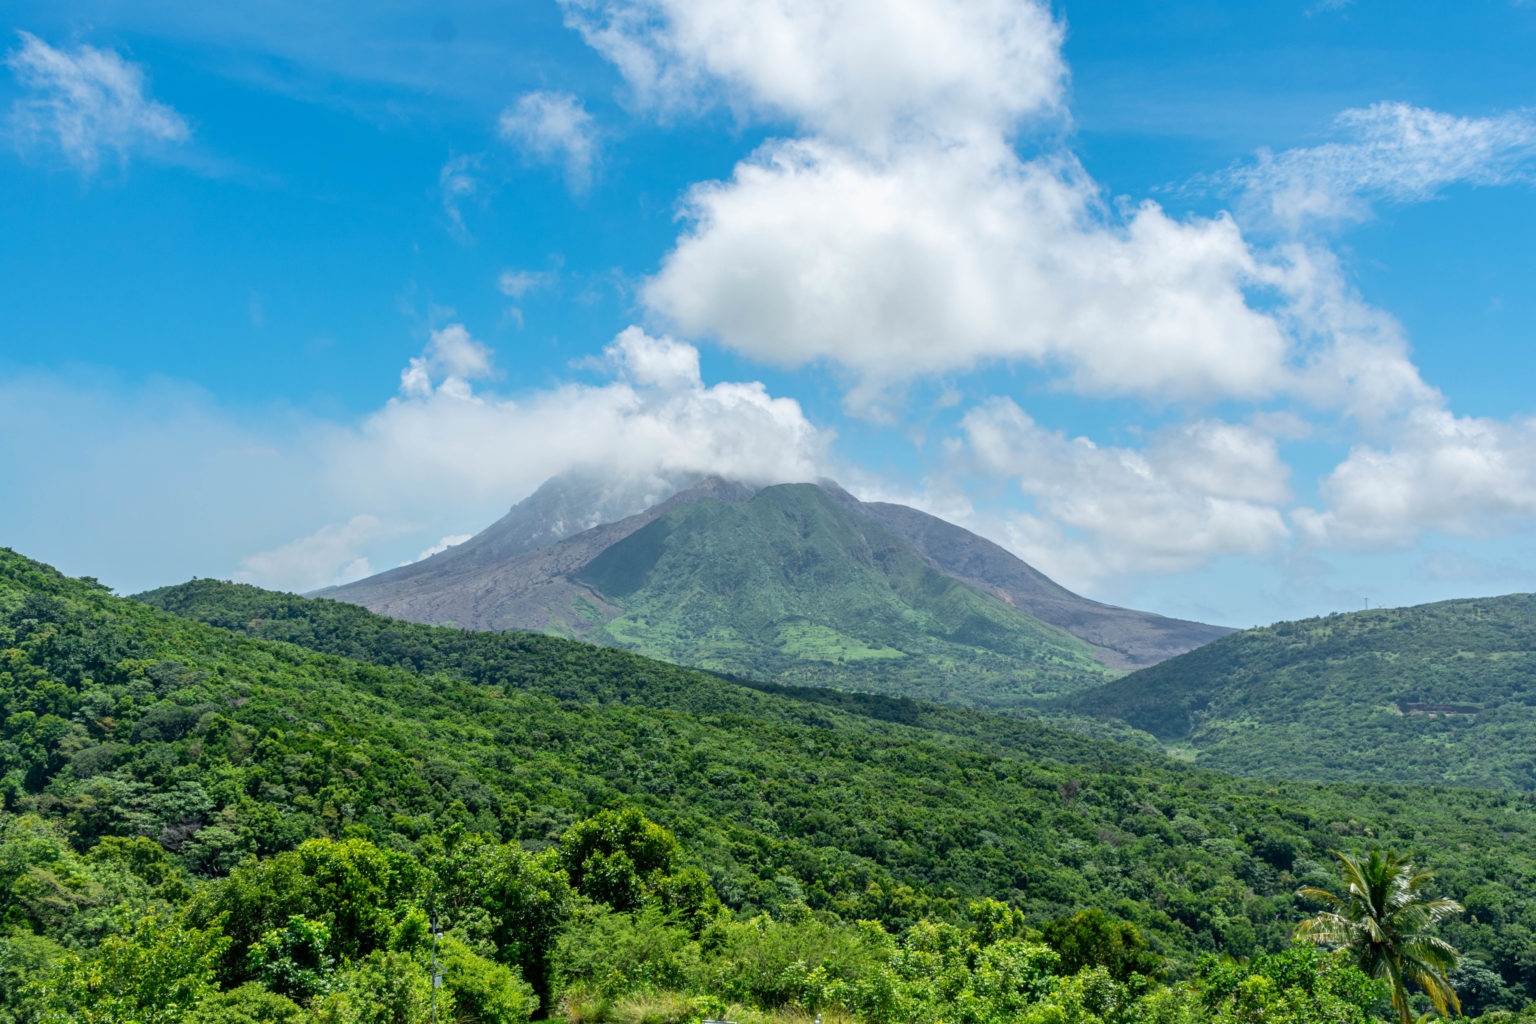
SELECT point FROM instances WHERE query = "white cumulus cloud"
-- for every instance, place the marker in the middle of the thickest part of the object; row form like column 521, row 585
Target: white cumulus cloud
column 938, row 259
column 441, row 440
column 298, row 502
column 84, row 101
column 860, row 71
column 451, row 360
column 1459, row 474
column 555, row 128
column 655, row 362
column 1196, row 491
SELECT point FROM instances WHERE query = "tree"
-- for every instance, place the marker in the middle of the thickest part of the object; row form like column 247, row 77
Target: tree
column 1091, row 938
column 618, row 857
column 1299, row 985
column 153, row 974
column 1384, row 920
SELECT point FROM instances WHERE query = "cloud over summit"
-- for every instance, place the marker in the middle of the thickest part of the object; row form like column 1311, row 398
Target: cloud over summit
column 899, row 233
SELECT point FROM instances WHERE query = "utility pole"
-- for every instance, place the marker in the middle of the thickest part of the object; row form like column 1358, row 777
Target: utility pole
column 437, row 978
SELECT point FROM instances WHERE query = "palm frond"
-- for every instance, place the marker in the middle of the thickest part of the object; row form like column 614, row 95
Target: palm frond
column 1321, row 895
column 1384, row 921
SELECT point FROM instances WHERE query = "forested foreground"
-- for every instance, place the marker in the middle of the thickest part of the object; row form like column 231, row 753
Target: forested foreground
column 607, row 926
column 190, row 808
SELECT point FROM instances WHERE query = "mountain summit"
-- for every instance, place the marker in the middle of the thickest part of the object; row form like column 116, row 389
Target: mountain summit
column 800, row 583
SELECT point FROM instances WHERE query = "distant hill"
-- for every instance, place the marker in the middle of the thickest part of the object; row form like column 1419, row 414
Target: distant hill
column 799, row 583
column 1440, row 693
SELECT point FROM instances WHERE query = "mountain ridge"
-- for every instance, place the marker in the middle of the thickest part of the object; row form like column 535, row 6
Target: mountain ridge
column 496, row 581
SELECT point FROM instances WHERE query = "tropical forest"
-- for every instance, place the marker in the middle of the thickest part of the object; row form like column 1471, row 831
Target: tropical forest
column 767, row 512
column 229, row 804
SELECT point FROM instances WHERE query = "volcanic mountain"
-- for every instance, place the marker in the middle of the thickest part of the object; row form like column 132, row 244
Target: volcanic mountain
column 798, row 583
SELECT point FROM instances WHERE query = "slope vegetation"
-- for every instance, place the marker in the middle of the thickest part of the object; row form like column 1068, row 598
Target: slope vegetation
column 123, row 720
column 1440, row 693
column 120, row 720
column 791, row 586
column 540, row 568
column 1120, row 637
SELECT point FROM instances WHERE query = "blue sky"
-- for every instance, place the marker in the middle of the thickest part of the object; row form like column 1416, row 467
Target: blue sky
column 1218, row 310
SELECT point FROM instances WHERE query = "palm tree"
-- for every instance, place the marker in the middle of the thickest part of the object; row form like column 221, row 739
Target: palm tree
column 1384, row 922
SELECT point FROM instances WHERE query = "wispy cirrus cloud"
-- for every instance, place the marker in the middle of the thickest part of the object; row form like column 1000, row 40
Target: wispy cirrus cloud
column 1387, row 152
column 458, row 181
column 85, row 102
column 517, row 283
column 331, row 555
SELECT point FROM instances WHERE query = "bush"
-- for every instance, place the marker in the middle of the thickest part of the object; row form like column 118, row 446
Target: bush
column 248, row 1004
column 484, row 991
column 293, row 960
column 152, row 975
column 1091, row 938
column 801, row 961
column 386, row 987
column 655, row 1008
column 615, row 954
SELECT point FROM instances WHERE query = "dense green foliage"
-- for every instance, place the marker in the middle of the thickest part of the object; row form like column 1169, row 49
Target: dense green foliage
column 364, row 952
column 151, row 760
column 1439, row 693
column 570, row 671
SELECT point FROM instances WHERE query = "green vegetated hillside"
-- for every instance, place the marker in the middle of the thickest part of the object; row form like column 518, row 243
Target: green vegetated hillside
column 1439, row 693
column 793, row 587
column 292, row 814
column 522, row 661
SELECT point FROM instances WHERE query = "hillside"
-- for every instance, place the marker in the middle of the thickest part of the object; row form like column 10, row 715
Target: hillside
column 802, row 584
column 791, row 587
column 122, row 720
column 1120, row 637
column 1440, row 693
column 537, row 663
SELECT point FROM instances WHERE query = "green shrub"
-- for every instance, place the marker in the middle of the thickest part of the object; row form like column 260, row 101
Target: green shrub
column 615, row 954
column 292, row 960
column 386, row 987
column 484, row 991
column 249, row 1004
column 153, row 974
column 655, row 1008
